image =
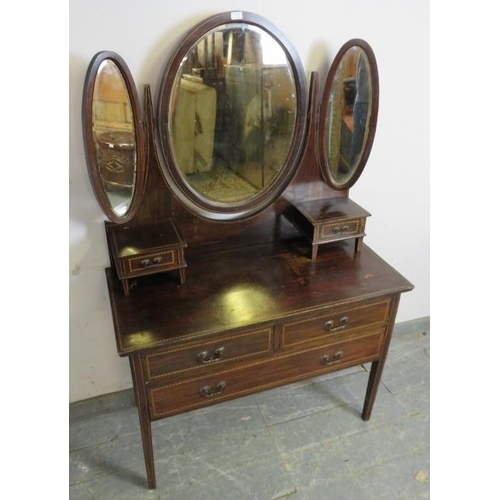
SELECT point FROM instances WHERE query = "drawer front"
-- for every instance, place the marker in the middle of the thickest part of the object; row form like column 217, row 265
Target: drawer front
column 336, row 324
column 199, row 356
column 157, row 261
column 329, row 232
column 170, row 399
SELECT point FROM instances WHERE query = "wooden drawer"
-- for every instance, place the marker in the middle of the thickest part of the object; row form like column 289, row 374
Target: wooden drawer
column 339, row 230
column 170, row 399
column 189, row 359
column 158, row 260
column 336, row 324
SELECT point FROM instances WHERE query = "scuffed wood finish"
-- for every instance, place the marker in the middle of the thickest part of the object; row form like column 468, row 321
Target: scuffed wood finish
column 245, row 287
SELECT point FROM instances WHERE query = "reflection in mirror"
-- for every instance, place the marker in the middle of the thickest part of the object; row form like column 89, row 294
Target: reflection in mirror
column 233, row 111
column 349, row 117
column 348, row 114
column 114, row 136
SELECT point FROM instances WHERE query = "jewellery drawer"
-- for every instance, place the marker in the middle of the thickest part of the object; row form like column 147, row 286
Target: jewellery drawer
column 193, row 357
column 332, row 231
column 158, row 260
column 338, row 323
column 170, row 399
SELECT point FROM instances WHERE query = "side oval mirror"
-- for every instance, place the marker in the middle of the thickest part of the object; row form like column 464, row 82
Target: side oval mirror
column 348, row 114
column 114, row 139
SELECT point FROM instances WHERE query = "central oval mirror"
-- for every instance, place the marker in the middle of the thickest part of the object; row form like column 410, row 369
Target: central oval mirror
column 232, row 116
column 348, row 114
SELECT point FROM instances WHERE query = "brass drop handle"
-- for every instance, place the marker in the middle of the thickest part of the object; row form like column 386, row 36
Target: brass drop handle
column 157, row 260
column 331, row 360
column 146, row 262
column 337, row 230
column 204, row 357
column 207, row 392
column 330, row 325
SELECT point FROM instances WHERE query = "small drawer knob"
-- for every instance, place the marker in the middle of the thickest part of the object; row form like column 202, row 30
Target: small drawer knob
column 146, row 262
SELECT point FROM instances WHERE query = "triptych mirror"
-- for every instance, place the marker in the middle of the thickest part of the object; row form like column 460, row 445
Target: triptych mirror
column 231, row 120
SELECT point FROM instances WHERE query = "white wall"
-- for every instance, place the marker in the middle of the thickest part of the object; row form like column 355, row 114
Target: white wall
column 394, row 186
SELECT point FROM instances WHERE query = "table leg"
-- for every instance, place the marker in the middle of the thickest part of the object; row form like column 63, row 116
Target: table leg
column 314, row 252
column 371, row 390
column 182, row 275
column 358, row 244
column 378, row 366
column 144, row 420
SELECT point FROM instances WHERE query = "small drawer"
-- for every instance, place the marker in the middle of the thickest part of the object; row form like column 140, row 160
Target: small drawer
column 169, row 399
column 339, row 230
column 191, row 358
column 338, row 323
column 156, row 261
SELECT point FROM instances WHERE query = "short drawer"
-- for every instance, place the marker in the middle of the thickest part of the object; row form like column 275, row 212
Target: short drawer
column 170, row 399
column 336, row 324
column 156, row 261
column 332, row 231
column 197, row 356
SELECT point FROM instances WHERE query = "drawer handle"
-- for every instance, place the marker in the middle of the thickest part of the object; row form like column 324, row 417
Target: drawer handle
column 149, row 262
column 331, row 360
column 329, row 325
column 203, row 356
column 207, row 392
column 337, row 230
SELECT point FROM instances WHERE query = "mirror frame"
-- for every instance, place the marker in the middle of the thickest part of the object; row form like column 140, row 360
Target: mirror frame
column 192, row 200
column 90, row 148
column 324, row 112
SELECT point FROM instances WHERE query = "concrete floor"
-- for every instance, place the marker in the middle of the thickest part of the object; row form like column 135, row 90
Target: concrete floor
column 302, row 441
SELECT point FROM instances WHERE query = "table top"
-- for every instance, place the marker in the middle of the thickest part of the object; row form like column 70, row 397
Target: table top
column 331, row 209
column 138, row 240
column 241, row 287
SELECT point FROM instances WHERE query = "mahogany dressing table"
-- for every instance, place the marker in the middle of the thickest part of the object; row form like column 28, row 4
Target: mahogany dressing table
column 220, row 197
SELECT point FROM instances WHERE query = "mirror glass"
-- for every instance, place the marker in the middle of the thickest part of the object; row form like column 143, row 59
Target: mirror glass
column 232, row 115
column 351, row 113
column 114, row 137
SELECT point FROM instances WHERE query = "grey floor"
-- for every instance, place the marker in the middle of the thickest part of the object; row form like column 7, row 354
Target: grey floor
column 302, row 441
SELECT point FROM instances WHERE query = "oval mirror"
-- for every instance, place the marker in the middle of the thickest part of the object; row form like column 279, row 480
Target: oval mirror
column 232, row 112
column 348, row 114
column 113, row 136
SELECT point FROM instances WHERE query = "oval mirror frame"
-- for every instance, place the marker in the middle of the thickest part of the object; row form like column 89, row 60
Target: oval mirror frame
column 325, row 117
column 137, row 146
column 193, row 200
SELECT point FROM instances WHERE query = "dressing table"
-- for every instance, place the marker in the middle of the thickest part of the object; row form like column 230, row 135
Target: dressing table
column 236, row 305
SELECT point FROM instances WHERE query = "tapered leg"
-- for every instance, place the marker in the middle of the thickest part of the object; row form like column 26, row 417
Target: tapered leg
column 371, row 390
column 358, row 243
column 145, row 422
column 378, row 366
column 314, row 253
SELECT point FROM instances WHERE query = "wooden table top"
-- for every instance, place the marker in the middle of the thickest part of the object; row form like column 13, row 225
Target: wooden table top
column 242, row 287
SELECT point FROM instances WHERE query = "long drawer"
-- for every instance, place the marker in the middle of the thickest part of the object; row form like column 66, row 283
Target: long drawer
column 336, row 324
column 188, row 360
column 170, row 399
